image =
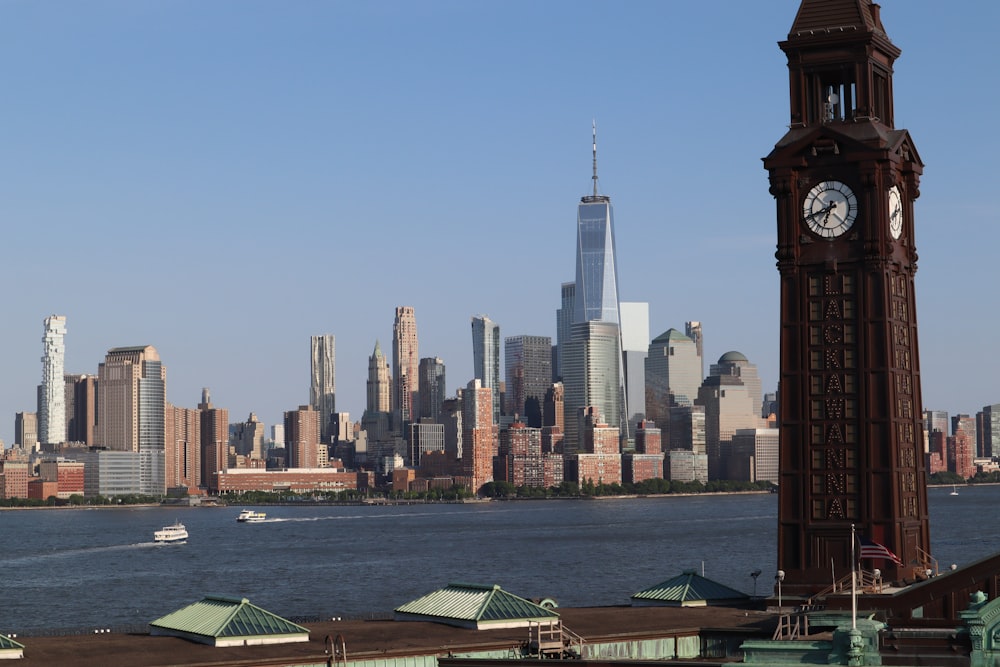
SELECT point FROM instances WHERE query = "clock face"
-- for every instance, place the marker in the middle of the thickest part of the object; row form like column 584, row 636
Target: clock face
column 895, row 212
column 830, row 209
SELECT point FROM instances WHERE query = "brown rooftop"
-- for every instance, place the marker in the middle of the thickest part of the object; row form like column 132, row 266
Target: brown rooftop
column 375, row 639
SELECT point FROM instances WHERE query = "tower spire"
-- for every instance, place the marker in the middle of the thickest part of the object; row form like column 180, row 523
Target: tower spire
column 594, row 122
column 593, row 198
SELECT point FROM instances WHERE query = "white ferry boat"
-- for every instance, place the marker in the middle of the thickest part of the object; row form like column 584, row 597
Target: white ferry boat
column 175, row 534
column 250, row 516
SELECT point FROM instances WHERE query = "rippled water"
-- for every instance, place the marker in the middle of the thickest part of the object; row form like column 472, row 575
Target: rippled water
column 94, row 568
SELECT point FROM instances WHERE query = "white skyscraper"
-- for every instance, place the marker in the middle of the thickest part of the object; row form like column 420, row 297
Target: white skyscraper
column 52, row 407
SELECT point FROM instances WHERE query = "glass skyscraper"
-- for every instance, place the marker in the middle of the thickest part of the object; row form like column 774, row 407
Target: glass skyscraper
column 596, row 264
column 595, row 301
column 486, row 358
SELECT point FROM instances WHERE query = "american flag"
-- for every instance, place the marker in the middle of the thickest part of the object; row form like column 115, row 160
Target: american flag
column 876, row 551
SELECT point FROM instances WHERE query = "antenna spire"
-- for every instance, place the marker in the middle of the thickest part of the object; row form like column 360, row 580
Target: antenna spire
column 595, row 157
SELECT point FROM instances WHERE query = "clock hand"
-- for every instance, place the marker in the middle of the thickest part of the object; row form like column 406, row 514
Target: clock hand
column 823, row 211
column 829, row 210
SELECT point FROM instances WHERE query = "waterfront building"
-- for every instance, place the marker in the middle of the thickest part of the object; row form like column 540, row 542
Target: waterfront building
column 600, row 459
column 845, row 180
column 528, row 370
column 520, row 460
column 183, row 464
column 293, row 480
column 323, row 380
column 431, row 388
column 635, row 350
column 479, row 434
column 683, row 465
column 131, row 403
column 592, row 377
column 214, row 440
column 302, row 438
column 646, row 462
column 52, row 398
column 68, row 476
column 405, row 365
column 26, row 429
column 755, row 455
column 486, row 358
column 111, row 472
column 990, row 429
column 14, row 476
column 672, row 374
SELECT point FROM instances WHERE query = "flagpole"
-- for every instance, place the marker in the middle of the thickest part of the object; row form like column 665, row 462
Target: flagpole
column 854, row 588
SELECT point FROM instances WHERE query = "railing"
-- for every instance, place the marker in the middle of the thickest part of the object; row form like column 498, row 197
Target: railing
column 553, row 640
column 927, row 565
column 868, row 582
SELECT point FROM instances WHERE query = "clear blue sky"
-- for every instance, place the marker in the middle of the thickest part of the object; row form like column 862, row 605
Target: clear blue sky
column 224, row 179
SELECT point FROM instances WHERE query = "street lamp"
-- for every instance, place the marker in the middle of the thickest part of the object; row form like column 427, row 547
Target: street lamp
column 755, row 574
column 779, row 577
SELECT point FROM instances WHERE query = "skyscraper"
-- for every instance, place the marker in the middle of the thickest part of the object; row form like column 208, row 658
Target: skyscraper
column 431, row 388
column 131, row 389
column 734, row 363
column 596, row 300
column 673, row 374
column 214, row 440
column 486, row 358
column 528, row 372
column 592, row 378
column 564, row 321
column 478, row 440
column 52, row 406
column 405, row 364
column 323, row 384
column 596, row 264
column 379, row 382
column 635, row 348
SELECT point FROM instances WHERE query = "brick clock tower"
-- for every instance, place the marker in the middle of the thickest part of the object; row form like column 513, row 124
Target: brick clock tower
column 844, row 180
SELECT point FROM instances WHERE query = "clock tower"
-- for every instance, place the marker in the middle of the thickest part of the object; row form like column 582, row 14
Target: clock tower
column 844, row 179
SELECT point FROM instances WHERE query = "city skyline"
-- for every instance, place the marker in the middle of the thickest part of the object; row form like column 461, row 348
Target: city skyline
column 163, row 145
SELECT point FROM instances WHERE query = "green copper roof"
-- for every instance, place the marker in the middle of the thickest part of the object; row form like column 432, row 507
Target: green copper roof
column 224, row 620
column 670, row 334
column 475, row 605
column 688, row 589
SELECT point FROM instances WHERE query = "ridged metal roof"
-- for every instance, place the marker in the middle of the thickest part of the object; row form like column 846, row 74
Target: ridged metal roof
column 475, row 605
column 221, row 617
column 670, row 334
column 689, row 588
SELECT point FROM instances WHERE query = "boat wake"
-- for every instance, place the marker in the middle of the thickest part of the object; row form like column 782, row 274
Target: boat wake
column 71, row 553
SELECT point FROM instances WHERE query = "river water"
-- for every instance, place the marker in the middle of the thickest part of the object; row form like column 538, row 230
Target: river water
column 85, row 568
